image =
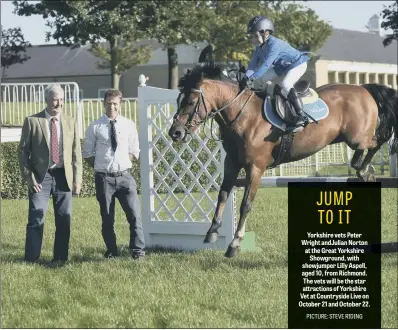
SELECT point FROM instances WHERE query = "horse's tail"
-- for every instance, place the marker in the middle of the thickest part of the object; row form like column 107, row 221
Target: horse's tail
column 387, row 102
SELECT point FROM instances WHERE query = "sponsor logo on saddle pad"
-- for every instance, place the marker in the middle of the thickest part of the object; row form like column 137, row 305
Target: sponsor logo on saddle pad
column 313, row 105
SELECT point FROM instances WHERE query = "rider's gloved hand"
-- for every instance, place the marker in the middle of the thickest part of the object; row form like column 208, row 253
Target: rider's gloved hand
column 248, row 82
column 243, row 81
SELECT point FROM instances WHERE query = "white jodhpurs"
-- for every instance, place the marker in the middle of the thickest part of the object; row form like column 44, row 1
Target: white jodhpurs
column 290, row 78
column 293, row 76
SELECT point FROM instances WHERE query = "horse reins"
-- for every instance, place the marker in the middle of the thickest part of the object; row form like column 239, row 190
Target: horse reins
column 191, row 122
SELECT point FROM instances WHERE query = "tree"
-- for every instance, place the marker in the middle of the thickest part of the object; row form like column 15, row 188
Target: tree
column 299, row 26
column 390, row 17
column 13, row 48
column 76, row 23
column 172, row 23
column 226, row 24
column 126, row 54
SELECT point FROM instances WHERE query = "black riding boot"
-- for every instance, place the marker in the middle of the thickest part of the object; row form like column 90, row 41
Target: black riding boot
column 295, row 100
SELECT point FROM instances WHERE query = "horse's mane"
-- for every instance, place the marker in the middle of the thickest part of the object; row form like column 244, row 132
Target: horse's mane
column 208, row 70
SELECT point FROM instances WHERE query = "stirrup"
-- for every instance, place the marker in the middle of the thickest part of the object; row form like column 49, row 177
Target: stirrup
column 300, row 120
column 303, row 117
column 306, row 121
column 298, row 125
column 294, row 128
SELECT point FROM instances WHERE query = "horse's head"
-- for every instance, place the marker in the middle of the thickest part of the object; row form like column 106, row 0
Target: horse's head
column 193, row 108
column 194, row 102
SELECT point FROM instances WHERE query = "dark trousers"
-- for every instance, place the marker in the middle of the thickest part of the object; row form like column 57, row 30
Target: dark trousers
column 124, row 188
column 54, row 184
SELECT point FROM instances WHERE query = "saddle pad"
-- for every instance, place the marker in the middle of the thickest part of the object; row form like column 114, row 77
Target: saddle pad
column 312, row 97
column 318, row 110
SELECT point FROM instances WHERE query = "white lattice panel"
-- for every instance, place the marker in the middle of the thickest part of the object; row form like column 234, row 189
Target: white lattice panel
column 180, row 181
column 191, row 194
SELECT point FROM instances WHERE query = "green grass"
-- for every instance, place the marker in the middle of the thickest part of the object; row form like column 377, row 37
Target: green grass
column 167, row 289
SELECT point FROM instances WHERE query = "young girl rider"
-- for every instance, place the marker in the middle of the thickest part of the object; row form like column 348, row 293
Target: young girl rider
column 274, row 57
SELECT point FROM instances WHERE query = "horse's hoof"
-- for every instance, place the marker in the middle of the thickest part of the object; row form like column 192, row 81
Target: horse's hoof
column 231, row 252
column 211, row 238
column 360, row 176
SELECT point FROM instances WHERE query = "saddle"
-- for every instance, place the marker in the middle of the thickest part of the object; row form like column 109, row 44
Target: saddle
column 279, row 112
column 286, row 112
column 283, row 107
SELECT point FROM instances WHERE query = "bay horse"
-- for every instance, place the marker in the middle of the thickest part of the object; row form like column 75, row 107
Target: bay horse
column 362, row 116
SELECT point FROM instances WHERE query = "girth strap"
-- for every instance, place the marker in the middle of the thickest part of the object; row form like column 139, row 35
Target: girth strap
column 282, row 152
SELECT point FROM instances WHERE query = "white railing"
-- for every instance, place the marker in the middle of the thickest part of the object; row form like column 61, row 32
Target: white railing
column 92, row 109
column 24, row 99
column 19, row 100
column 332, row 160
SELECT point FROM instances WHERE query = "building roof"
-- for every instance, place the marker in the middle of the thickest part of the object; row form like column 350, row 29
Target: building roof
column 355, row 46
column 54, row 60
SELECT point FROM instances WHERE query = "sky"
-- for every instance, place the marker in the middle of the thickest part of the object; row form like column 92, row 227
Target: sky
column 350, row 15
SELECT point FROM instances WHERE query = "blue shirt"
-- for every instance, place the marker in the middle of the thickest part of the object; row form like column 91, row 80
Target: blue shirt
column 277, row 53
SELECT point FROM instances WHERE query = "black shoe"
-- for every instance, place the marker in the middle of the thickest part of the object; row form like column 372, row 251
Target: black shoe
column 137, row 253
column 111, row 254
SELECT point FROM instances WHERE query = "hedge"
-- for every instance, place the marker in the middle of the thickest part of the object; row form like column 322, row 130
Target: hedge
column 13, row 187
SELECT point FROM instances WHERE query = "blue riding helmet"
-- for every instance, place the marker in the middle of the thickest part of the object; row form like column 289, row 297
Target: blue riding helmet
column 260, row 23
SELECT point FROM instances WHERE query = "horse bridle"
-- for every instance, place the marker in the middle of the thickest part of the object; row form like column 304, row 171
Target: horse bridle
column 191, row 119
column 191, row 122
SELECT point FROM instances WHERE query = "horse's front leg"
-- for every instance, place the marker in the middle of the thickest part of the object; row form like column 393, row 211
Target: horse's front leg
column 366, row 171
column 253, row 177
column 231, row 171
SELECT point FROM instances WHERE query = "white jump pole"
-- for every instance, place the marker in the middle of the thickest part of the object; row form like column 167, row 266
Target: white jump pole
column 276, row 181
column 393, row 161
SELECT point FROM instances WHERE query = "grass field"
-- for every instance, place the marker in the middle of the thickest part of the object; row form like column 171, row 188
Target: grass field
column 167, row 289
